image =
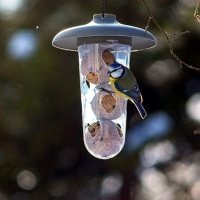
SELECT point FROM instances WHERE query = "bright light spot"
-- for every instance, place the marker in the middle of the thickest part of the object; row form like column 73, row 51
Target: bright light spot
column 157, row 153
column 145, row 194
column 193, row 107
column 26, row 180
column 8, row 7
column 184, row 173
column 154, row 180
column 156, row 125
column 195, row 191
column 111, row 184
column 57, row 188
column 37, row 27
column 162, row 72
column 22, row 45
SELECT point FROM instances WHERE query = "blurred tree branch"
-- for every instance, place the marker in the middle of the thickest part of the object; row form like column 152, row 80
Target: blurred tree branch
column 167, row 35
column 196, row 11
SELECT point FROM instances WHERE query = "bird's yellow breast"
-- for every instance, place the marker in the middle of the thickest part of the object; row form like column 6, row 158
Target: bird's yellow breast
column 112, row 81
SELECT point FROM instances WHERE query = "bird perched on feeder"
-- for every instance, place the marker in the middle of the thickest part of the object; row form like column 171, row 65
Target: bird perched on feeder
column 125, row 84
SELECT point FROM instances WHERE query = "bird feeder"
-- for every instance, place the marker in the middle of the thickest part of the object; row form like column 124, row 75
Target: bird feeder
column 100, row 43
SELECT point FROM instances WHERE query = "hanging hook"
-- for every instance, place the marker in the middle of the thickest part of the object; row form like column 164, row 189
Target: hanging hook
column 104, row 7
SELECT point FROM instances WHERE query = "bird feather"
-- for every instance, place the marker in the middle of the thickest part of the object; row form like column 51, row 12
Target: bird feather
column 128, row 86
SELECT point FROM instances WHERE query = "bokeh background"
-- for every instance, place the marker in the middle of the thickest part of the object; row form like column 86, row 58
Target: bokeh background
column 42, row 154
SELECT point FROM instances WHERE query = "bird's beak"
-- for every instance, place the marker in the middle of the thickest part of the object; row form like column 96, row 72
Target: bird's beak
column 108, row 73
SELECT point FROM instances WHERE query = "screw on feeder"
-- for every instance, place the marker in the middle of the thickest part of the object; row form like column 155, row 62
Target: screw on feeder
column 101, row 43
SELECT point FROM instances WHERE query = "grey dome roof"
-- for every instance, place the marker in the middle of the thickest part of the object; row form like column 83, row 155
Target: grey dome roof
column 104, row 30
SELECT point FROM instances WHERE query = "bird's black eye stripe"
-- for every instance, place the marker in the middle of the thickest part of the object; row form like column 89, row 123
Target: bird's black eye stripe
column 114, row 70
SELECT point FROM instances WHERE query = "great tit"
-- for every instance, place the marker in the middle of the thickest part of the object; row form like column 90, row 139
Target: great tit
column 124, row 84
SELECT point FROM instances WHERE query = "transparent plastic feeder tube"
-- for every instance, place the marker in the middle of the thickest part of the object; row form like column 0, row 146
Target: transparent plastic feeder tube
column 103, row 111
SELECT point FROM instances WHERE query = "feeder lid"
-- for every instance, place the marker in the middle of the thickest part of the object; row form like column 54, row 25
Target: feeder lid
column 104, row 30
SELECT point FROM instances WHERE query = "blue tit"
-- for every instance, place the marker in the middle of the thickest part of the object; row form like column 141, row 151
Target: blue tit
column 125, row 85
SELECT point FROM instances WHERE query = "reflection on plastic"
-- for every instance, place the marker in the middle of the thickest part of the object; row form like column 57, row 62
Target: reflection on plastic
column 103, row 112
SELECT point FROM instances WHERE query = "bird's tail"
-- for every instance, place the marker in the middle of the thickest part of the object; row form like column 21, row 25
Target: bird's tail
column 140, row 109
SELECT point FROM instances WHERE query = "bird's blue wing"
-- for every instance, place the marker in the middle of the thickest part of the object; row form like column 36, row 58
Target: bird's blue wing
column 134, row 93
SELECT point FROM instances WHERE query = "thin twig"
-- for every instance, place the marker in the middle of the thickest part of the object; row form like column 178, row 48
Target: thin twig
column 196, row 10
column 147, row 26
column 174, row 34
column 167, row 35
